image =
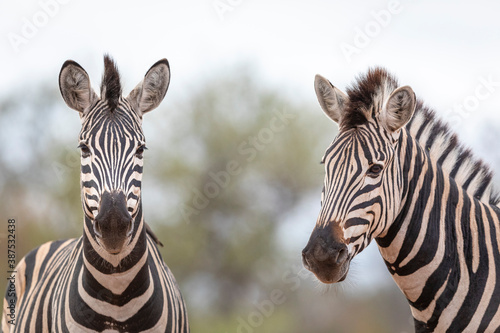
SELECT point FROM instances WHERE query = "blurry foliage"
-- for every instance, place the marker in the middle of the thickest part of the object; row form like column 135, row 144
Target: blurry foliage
column 259, row 152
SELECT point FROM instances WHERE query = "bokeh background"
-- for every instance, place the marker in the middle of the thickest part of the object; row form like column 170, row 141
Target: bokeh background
column 239, row 67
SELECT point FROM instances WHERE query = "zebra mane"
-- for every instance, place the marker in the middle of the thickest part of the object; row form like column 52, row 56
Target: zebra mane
column 366, row 98
column 457, row 160
column 111, row 88
column 368, row 90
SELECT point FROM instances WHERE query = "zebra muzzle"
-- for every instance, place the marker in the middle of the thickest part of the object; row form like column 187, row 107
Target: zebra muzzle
column 326, row 257
column 113, row 224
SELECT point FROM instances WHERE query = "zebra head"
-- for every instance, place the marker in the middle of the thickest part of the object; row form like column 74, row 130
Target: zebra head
column 112, row 144
column 361, row 194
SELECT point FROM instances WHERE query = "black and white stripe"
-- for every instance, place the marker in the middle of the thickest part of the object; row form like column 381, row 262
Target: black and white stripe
column 113, row 278
column 398, row 175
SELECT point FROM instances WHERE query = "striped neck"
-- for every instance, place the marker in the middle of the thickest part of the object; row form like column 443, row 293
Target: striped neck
column 111, row 289
column 114, row 285
column 410, row 241
column 432, row 249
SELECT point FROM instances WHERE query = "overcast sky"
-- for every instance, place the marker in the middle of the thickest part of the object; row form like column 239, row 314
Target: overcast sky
column 444, row 49
column 441, row 49
column 448, row 51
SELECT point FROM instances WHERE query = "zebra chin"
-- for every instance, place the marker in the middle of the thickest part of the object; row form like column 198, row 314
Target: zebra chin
column 329, row 275
column 113, row 225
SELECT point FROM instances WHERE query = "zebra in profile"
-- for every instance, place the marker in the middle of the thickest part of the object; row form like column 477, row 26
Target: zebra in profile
column 396, row 174
column 113, row 278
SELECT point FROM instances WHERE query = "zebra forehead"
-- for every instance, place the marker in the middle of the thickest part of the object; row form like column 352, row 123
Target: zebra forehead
column 122, row 113
column 123, row 120
column 363, row 141
column 366, row 96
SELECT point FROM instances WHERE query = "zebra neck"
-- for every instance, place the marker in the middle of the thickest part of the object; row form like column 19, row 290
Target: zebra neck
column 436, row 246
column 115, row 279
column 118, row 287
column 114, row 293
column 411, row 239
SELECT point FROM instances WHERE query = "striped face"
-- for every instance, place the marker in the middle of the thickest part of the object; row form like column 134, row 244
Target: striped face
column 361, row 194
column 359, row 198
column 112, row 146
column 360, row 187
column 112, row 143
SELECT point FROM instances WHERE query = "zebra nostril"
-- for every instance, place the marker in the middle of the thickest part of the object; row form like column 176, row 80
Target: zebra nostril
column 97, row 229
column 341, row 256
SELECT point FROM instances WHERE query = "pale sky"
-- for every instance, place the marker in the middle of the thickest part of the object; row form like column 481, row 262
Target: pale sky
column 447, row 51
column 443, row 50
column 440, row 49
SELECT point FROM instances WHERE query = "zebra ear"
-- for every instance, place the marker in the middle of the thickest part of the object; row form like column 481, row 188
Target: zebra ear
column 399, row 108
column 331, row 99
column 149, row 93
column 74, row 84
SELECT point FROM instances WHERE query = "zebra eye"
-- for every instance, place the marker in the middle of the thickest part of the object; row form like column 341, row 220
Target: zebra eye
column 140, row 150
column 85, row 150
column 375, row 169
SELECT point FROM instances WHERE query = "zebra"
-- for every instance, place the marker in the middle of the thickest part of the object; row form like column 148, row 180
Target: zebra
column 112, row 278
column 397, row 174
